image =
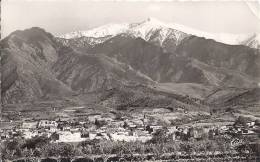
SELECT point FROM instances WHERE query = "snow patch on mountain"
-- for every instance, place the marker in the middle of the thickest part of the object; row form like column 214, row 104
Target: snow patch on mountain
column 102, row 31
column 253, row 41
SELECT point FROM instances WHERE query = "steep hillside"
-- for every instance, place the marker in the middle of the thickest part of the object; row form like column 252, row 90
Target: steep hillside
column 205, row 67
column 147, row 58
column 87, row 73
column 232, row 57
column 26, row 60
column 37, row 65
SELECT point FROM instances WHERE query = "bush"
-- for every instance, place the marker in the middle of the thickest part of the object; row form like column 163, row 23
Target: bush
column 241, row 121
column 59, row 149
column 159, row 137
column 35, row 142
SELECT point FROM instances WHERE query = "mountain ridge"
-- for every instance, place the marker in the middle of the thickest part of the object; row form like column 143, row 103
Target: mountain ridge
column 141, row 29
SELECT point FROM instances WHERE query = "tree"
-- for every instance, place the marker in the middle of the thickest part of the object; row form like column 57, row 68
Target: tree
column 100, row 123
column 12, row 149
column 186, row 147
column 38, row 141
column 241, row 121
column 159, row 137
column 37, row 152
column 257, row 122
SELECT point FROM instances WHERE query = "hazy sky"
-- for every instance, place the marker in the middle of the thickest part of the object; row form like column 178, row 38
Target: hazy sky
column 62, row 16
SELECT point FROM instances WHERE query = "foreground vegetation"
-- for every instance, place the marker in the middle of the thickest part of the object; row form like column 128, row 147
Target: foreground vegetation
column 158, row 147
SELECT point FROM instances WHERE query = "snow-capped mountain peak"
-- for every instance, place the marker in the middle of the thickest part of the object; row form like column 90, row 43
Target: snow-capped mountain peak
column 150, row 26
column 140, row 29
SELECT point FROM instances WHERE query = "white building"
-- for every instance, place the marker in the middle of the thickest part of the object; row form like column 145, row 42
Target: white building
column 124, row 136
column 67, row 136
column 29, row 125
column 250, row 123
column 47, row 123
column 93, row 118
column 30, row 134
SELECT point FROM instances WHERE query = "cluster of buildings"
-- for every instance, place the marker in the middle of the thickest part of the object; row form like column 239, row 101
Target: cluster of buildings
column 97, row 126
column 94, row 127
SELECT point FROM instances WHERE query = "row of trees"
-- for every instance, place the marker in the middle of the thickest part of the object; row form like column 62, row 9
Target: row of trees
column 36, row 147
column 158, row 146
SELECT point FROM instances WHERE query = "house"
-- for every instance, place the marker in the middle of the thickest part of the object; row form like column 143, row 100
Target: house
column 47, row 124
column 154, row 128
column 185, row 130
column 144, row 138
column 93, row 118
column 122, row 137
column 29, row 125
column 4, row 136
column 199, row 133
column 131, row 125
column 250, row 124
column 115, row 124
column 172, row 129
column 223, row 129
column 92, row 135
column 67, row 136
column 107, row 119
column 52, row 129
column 102, row 136
column 29, row 134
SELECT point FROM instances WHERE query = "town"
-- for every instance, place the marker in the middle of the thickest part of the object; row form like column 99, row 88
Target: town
column 147, row 133
column 124, row 128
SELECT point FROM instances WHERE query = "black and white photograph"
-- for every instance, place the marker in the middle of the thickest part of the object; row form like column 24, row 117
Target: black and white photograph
column 130, row 81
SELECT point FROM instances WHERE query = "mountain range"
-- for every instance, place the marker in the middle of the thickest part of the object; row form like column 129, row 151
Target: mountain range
column 147, row 28
column 147, row 64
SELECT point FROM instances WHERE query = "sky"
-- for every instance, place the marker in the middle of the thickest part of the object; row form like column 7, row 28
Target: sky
column 63, row 16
